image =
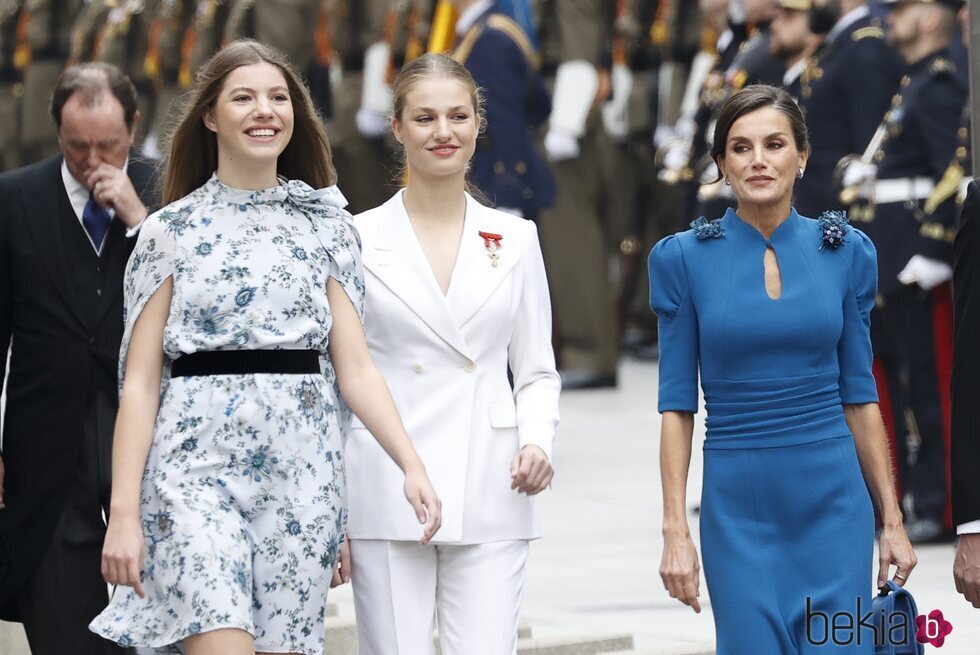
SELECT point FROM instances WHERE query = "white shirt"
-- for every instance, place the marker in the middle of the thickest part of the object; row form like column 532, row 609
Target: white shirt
column 78, row 195
column 470, row 16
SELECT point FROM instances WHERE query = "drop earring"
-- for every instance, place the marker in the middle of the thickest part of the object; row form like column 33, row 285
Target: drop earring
column 800, row 174
column 727, row 181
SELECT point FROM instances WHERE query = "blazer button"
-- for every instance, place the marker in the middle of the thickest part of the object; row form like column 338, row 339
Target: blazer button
column 469, row 367
column 417, row 367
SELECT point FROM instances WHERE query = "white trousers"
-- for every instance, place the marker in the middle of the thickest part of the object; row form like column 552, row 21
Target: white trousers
column 399, row 586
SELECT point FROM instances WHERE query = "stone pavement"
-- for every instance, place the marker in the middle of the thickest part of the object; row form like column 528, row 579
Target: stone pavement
column 593, row 578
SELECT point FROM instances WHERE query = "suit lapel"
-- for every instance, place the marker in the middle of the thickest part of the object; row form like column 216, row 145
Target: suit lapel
column 400, row 263
column 46, row 214
column 475, row 277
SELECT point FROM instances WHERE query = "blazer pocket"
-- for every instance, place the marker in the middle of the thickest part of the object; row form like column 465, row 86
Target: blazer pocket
column 503, row 415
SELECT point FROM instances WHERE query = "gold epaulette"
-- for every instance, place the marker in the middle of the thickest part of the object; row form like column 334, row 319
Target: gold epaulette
column 509, row 27
column 870, row 32
column 942, row 65
column 947, row 188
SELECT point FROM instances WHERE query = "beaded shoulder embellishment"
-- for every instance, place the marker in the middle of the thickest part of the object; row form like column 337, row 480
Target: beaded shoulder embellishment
column 833, row 229
column 705, row 229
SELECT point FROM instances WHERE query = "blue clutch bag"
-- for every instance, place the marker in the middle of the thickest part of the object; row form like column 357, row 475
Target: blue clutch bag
column 893, row 605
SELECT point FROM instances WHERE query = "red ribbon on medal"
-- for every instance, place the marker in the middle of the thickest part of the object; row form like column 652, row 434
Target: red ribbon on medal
column 491, row 242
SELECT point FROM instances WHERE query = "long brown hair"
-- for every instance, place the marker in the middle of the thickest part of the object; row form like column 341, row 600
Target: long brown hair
column 194, row 148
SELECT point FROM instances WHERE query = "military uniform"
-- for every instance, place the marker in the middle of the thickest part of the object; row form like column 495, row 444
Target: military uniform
column 573, row 37
column 846, row 89
column 170, row 30
column 365, row 165
column 11, row 85
column 914, row 214
column 506, row 167
column 47, row 28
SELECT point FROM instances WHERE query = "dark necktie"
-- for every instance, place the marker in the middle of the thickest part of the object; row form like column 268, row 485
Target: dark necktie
column 96, row 219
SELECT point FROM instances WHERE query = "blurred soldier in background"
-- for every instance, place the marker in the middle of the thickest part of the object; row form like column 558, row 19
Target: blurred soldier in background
column 11, row 85
column 572, row 41
column 851, row 82
column 44, row 38
column 912, row 190
column 793, row 42
column 506, row 167
column 362, row 33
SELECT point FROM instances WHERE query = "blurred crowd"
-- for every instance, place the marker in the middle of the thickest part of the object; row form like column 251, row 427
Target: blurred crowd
column 634, row 88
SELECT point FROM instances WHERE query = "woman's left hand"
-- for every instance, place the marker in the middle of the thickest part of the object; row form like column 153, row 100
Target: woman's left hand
column 341, row 574
column 894, row 548
column 531, row 472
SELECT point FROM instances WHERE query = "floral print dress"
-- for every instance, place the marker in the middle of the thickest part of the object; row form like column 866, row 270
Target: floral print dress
column 242, row 503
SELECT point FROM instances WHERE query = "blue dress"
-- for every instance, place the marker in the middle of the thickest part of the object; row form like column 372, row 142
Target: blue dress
column 787, row 527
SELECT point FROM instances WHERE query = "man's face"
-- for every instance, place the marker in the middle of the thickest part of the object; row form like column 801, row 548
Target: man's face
column 91, row 135
column 790, row 33
column 759, row 10
column 824, row 15
column 903, row 23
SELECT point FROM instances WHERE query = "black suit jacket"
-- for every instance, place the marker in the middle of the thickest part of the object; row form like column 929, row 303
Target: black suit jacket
column 58, row 353
column 965, row 453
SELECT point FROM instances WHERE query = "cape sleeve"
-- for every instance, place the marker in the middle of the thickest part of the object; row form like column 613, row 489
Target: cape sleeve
column 340, row 239
column 152, row 262
column 677, row 324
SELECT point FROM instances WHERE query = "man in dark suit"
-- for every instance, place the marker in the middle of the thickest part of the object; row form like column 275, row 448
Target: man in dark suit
column 965, row 439
column 63, row 250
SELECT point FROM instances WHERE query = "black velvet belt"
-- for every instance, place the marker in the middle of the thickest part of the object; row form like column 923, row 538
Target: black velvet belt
column 243, row 362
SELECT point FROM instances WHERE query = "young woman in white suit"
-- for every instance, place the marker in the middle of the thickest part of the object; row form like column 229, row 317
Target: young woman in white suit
column 456, row 294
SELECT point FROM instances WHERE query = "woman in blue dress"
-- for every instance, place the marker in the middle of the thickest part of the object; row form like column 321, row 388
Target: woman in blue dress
column 242, row 358
column 773, row 309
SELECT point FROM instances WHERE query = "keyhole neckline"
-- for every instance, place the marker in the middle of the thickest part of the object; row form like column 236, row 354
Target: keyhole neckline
column 731, row 216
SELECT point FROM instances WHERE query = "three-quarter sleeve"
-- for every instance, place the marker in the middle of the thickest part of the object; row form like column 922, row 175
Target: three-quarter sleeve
column 152, row 262
column 854, row 354
column 677, row 324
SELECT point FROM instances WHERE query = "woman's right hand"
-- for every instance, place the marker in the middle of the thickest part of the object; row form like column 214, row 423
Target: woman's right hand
column 680, row 571
column 123, row 552
column 424, row 500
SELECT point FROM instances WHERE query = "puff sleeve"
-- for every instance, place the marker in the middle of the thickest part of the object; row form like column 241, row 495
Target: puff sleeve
column 154, row 259
column 857, row 384
column 677, row 324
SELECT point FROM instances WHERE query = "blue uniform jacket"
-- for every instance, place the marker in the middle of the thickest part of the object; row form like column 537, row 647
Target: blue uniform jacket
column 507, row 167
column 850, row 87
column 922, row 142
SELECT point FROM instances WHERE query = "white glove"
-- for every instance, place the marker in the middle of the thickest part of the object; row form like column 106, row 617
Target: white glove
column 615, row 112
column 677, row 156
column 927, row 273
column 559, row 145
column 662, row 135
column 371, row 123
column 858, row 173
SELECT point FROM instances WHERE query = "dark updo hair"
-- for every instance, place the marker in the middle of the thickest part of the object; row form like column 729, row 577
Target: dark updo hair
column 751, row 98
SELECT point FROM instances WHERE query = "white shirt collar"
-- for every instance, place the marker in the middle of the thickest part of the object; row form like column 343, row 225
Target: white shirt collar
column 847, row 20
column 793, row 72
column 471, row 15
column 78, row 193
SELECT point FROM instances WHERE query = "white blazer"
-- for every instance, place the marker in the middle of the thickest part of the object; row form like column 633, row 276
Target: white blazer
column 445, row 360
